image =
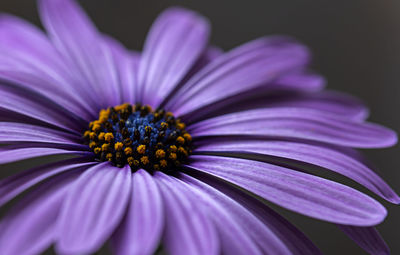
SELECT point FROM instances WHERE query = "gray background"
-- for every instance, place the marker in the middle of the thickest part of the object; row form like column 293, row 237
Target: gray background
column 355, row 44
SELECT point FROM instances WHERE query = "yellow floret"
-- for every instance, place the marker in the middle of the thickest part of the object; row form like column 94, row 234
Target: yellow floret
column 92, row 135
column 130, row 161
column 97, row 150
column 182, row 151
column 108, row 137
column 96, row 128
column 144, row 160
column 118, row 146
column 141, row 149
column 164, row 125
column 187, row 137
column 101, row 136
column 180, row 140
column 128, row 151
column 180, row 125
column 109, row 156
column 105, row 147
column 172, row 156
column 163, row 163
column 92, row 145
column 160, row 153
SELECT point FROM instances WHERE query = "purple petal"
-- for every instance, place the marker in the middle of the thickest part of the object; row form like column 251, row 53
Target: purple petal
column 247, row 67
column 93, row 208
column 233, row 238
column 175, row 41
column 29, row 228
column 295, row 240
column 14, row 185
column 277, row 96
column 35, row 106
column 20, row 132
column 265, row 238
column 317, row 155
column 11, row 155
column 187, row 228
column 367, row 238
column 303, row 193
column 297, row 123
column 140, row 231
column 126, row 67
column 28, row 58
column 339, row 104
column 209, row 55
column 306, row 81
column 80, row 43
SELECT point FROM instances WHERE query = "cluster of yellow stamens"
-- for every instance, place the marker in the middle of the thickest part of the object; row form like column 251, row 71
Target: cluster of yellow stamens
column 138, row 136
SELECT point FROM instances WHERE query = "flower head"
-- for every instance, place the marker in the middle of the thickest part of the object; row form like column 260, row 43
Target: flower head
column 174, row 145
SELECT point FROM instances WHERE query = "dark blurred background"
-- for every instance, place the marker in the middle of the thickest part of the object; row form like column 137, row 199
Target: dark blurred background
column 355, row 44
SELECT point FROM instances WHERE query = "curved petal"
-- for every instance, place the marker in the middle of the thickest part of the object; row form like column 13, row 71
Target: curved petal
column 93, row 209
column 252, row 65
column 12, row 155
column 232, row 236
column 210, row 54
column 187, row 229
column 38, row 107
column 28, row 58
column 175, row 41
column 83, row 46
column 126, row 64
column 140, row 231
column 317, row 155
column 303, row 193
column 265, row 238
column 29, row 228
column 330, row 102
column 14, row 185
column 283, row 96
column 294, row 239
column 19, row 132
column 367, row 238
column 304, row 80
column 297, row 123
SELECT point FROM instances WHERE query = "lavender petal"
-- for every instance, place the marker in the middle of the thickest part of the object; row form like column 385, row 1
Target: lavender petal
column 126, row 64
column 187, row 228
column 36, row 106
column 30, row 226
column 28, row 59
column 303, row 193
column 13, row 155
column 266, row 238
column 317, row 155
column 293, row 238
column 367, row 238
column 19, row 132
column 237, row 71
column 83, row 48
column 14, row 185
column 93, row 209
column 297, row 123
column 175, row 41
column 140, row 231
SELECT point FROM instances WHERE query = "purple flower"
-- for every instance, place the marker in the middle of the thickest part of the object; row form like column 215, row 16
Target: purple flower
column 175, row 145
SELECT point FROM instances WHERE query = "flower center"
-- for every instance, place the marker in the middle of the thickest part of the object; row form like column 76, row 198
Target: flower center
column 138, row 136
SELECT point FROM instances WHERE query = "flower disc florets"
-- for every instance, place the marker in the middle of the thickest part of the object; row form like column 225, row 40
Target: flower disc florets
column 138, row 136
